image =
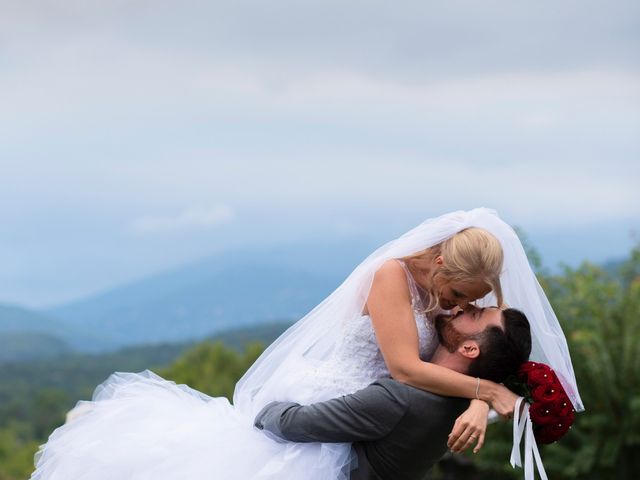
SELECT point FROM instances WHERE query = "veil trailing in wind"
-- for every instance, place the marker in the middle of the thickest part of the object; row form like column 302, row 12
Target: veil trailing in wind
column 313, row 338
column 143, row 426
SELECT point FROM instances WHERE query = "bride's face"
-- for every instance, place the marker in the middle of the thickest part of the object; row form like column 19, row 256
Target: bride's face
column 461, row 294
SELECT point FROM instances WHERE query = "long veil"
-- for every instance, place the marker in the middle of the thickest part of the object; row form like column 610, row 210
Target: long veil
column 314, row 336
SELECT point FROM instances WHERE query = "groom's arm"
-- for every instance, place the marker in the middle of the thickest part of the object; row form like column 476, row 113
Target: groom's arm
column 368, row 414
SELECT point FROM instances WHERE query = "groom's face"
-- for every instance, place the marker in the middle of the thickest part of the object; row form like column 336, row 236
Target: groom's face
column 455, row 329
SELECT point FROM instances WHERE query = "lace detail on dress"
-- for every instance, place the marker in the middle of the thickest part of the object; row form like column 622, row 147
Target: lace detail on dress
column 426, row 329
column 357, row 360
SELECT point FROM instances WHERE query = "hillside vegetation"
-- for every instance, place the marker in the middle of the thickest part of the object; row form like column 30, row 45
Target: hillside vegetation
column 599, row 312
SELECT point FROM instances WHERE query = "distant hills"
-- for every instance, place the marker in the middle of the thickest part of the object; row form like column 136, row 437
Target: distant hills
column 27, row 334
column 184, row 305
column 231, row 290
column 226, row 291
column 77, row 374
column 17, row 319
column 22, row 346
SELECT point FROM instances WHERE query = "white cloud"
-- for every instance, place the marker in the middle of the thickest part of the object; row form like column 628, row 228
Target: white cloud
column 192, row 218
column 115, row 110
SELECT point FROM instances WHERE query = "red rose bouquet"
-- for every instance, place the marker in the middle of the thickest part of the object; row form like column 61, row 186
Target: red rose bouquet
column 551, row 410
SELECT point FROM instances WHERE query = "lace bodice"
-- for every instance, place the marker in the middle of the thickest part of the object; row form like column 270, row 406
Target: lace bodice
column 357, row 359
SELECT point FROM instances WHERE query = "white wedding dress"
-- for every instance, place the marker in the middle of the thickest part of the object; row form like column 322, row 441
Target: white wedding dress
column 141, row 427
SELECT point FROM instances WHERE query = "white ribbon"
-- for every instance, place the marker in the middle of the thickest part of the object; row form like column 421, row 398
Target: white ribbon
column 523, row 425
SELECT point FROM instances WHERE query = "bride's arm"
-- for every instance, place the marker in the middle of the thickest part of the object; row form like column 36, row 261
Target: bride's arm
column 389, row 307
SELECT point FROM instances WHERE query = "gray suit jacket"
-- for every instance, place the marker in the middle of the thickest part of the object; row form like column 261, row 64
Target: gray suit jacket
column 398, row 432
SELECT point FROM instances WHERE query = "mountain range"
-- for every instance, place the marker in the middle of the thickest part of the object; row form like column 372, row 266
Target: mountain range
column 230, row 290
column 226, row 291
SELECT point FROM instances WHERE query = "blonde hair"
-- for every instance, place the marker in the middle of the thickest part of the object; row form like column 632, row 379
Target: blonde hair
column 471, row 255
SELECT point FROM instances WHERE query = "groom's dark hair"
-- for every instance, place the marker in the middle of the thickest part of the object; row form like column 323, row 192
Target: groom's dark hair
column 503, row 350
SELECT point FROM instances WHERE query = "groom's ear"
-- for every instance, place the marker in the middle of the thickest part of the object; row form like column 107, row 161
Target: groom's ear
column 469, row 349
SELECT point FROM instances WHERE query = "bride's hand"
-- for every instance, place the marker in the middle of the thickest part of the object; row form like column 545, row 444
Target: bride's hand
column 470, row 427
column 503, row 401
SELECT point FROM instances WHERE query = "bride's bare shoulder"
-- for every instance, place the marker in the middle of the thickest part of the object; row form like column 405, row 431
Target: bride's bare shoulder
column 390, row 271
column 390, row 281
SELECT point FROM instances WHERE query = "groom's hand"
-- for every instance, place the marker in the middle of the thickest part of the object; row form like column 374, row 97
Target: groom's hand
column 470, row 428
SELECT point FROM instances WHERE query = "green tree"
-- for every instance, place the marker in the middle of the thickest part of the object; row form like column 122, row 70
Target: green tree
column 599, row 313
column 606, row 345
column 48, row 411
column 16, row 452
column 213, row 368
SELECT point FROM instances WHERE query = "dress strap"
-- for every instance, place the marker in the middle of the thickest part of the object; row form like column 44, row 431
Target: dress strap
column 416, row 299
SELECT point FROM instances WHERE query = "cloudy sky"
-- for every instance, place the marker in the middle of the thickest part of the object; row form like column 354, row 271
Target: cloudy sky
column 138, row 135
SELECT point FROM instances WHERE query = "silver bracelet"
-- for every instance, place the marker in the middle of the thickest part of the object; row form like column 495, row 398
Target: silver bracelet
column 478, row 388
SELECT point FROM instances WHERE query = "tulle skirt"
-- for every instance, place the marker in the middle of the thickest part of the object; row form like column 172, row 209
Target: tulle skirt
column 141, row 427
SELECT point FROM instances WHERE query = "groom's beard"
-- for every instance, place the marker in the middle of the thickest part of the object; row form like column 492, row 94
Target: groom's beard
column 448, row 336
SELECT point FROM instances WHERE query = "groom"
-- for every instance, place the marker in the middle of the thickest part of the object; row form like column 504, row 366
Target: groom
column 398, row 431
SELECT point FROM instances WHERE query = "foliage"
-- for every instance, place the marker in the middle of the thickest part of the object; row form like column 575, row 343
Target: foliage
column 599, row 310
column 599, row 313
column 35, row 395
column 16, row 453
column 213, row 368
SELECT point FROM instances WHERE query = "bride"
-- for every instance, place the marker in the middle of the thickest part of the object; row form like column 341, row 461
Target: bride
column 378, row 323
